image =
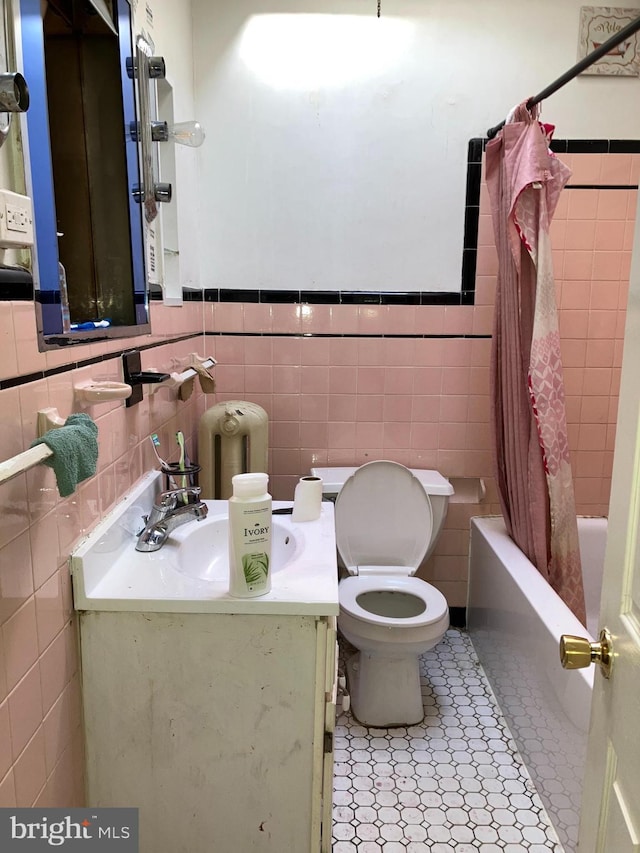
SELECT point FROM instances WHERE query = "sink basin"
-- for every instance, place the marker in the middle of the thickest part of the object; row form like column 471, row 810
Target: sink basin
column 201, row 550
column 189, row 574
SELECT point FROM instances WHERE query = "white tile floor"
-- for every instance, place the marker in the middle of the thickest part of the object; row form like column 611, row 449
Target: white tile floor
column 452, row 783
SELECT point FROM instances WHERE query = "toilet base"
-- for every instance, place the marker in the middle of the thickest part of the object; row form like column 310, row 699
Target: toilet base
column 385, row 691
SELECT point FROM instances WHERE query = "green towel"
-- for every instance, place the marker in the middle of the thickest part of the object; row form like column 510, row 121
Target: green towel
column 75, row 451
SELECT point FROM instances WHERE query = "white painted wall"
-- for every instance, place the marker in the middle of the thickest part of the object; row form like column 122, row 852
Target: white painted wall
column 170, row 29
column 336, row 147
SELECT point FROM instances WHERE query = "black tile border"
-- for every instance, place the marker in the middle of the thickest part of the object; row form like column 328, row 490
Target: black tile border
column 358, row 335
column 595, row 146
column 404, row 298
column 466, row 296
column 601, row 187
column 320, row 297
column 475, row 150
column 25, row 378
column 281, row 297
column 336, row 297
column 232, row 295
column 86, row 362
column 624, row 146
column 474, row 181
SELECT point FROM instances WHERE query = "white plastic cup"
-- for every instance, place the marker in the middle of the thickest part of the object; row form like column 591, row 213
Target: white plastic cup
column 307, row 499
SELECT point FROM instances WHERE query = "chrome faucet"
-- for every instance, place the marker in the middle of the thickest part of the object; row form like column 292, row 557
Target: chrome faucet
column 170, row 512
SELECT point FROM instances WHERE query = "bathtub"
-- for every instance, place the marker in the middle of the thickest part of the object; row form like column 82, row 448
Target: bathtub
column 515, row 620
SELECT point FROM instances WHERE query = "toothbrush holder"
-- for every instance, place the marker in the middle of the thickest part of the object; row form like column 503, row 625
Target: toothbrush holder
column 180, row 479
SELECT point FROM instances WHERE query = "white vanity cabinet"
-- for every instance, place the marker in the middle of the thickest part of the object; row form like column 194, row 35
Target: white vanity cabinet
column 217, row 727
column 213, row 715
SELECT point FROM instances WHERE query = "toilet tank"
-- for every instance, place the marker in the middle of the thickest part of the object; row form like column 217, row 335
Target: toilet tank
column 435, row 485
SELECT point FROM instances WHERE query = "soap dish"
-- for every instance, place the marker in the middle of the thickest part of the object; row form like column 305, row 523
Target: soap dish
column 91, row 392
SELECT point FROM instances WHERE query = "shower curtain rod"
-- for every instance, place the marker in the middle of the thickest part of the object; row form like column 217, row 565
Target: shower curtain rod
column 588, row 60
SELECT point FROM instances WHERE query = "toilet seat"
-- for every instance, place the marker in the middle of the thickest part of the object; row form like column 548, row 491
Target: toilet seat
column 384, row 519
column 435, row 604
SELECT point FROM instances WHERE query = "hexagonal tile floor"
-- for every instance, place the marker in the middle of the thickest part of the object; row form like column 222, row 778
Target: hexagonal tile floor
column 452, row 784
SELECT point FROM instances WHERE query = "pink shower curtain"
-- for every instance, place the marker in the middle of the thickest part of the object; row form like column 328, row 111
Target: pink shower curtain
column 533, row 469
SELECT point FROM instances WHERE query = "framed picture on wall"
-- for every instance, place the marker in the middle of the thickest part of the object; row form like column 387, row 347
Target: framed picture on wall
column 599, row 23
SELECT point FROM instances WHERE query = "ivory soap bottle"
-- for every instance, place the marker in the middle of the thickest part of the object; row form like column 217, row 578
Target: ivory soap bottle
column 250, row 536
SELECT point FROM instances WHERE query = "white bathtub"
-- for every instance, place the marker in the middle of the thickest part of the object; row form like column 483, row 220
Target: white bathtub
column 515, row 620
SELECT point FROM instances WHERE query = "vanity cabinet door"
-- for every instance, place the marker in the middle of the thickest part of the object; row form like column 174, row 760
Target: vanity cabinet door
column 222, row 734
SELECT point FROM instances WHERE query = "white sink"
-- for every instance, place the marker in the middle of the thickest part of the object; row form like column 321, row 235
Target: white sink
column 189, row 574
column 200, row 549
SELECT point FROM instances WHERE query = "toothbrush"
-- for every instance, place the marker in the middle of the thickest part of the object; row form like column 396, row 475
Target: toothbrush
column 155, row 443
column 180, row 440
column 164, row 465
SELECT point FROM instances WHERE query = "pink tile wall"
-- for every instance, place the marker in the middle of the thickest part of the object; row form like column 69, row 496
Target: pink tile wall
column 346, row 400
column 41, row 742
column 425, row 401
column 331, row 400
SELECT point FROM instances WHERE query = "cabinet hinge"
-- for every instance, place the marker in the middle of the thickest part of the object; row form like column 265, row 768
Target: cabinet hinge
column 328, row 742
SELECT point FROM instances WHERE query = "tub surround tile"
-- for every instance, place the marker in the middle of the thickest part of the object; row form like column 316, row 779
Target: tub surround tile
column 613, row 205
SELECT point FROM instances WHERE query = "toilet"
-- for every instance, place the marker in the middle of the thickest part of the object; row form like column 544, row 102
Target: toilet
column 388, row 518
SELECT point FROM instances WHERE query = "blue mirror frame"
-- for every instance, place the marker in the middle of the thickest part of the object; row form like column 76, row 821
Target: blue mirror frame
column 39, row 181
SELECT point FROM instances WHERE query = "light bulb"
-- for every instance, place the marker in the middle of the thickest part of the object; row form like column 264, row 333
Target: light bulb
column 189, row 133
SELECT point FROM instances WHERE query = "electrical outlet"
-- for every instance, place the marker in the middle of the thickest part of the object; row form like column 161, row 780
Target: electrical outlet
column 16, row 220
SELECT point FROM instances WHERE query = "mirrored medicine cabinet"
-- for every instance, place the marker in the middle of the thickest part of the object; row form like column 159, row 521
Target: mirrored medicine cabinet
column 86, row 170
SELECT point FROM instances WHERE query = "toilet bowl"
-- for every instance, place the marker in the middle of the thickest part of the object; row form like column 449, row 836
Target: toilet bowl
column 388, row 518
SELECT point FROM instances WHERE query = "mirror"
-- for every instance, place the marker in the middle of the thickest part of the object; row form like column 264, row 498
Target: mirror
column 83, row 170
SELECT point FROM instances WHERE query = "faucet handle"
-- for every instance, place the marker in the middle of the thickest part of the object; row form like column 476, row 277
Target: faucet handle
column 169, row 500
